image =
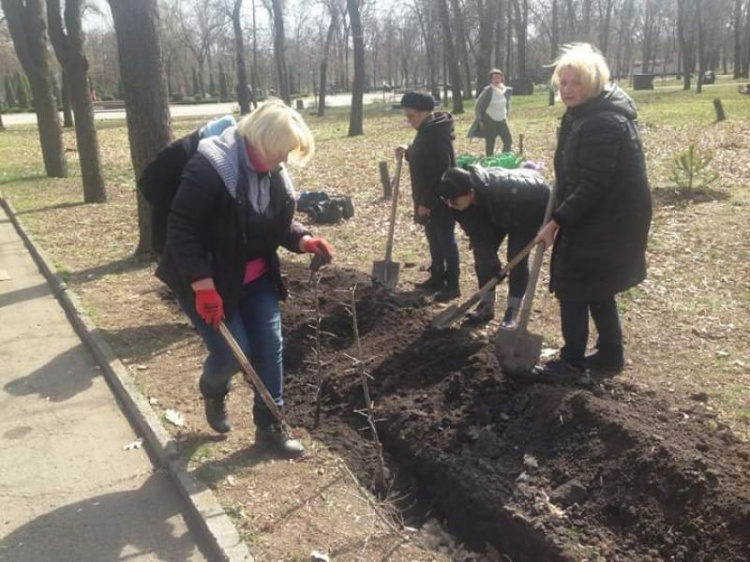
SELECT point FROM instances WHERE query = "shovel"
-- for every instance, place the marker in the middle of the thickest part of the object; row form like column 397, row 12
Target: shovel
column 516, row 349
column 250, row 375
column 447, row 317
column 386, row 271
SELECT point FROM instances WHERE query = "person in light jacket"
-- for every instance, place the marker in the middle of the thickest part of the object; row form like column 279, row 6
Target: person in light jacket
column 491, row 114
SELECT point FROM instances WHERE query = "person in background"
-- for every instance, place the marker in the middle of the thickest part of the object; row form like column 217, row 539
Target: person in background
column 161, row 178
column 429, row 156
column 233, row 209
column 491, row 204
column 491, row 114
column 602, row 216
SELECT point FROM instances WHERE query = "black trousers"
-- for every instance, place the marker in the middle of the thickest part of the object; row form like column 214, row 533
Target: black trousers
column 574, row 316
column 492, row 129
column 441, row 238
column 487, row 263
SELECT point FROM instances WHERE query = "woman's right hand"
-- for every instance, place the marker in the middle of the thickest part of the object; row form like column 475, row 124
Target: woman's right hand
column 208, row 302
column 547, row 234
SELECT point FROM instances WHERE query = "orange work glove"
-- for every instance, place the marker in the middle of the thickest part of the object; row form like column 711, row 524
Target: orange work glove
column 319, row 247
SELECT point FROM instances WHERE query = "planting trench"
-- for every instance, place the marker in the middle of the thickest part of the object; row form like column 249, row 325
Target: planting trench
column 536, row 472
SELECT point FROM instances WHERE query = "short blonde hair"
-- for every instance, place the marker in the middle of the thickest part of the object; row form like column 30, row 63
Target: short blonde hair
column 589, row 63
column 275, row 129
column 494, row 71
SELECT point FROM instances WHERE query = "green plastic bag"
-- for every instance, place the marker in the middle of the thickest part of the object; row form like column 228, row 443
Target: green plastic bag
column 506, row 160
column 464, row 160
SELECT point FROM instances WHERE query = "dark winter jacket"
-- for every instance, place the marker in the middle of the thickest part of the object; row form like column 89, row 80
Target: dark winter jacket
column 480, row 110
column 212, row 233
column 160, row 181
column 429, row 156
column 505, row 200
column 603, row 200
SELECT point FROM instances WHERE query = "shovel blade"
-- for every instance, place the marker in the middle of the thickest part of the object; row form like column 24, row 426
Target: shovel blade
column 386, row 273
column 444, row 319
column 517, row 351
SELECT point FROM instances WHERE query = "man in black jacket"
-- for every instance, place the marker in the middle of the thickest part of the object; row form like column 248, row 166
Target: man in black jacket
column 491, row 204
column 429, row 156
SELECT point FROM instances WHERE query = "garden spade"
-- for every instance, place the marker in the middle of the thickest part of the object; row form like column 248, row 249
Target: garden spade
column 516, row 349
column 386, row 271
column 250, row 375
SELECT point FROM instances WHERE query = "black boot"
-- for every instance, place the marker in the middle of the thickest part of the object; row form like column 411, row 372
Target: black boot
column 276, row 437
column 433, row 283
column 451, row 290
column 509, row 318
column 606, row 358
column 484, row 313
column 216, row 414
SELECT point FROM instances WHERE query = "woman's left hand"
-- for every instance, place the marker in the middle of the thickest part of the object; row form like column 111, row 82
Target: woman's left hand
column 318, row 246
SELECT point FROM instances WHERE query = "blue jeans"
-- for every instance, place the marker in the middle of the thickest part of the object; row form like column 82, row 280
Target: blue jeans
column 441, row 237
column 256, row 325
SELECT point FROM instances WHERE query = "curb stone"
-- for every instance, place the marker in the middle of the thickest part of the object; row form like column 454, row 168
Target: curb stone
column 219, row 533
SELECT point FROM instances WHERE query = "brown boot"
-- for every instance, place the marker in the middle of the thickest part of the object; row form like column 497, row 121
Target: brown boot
column 277, row 438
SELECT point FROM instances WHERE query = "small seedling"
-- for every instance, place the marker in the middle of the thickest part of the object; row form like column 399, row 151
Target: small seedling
column 692, row 169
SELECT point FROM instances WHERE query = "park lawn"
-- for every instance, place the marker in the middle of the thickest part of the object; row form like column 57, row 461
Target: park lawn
column 686, row 326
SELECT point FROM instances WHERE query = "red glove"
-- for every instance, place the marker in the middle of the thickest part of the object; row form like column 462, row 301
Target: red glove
column 319, row 247
column 209, row 305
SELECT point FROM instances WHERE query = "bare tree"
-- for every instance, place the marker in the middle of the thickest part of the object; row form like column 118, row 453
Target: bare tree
column 200, row 24
column 243, row 95
column 279, row 50
column 333, row 12
column 358, row 87
column 68, row 44
column 450, row 55
column 144, row 84
column 29, row 33
column 486, row 12
column 460, row 39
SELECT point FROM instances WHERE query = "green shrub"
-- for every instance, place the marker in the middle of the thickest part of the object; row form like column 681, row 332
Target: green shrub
column 692, row 169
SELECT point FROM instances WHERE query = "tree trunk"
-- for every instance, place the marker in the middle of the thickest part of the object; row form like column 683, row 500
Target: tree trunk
column 450, row 55
column 146, row 107
column 279, row 51
column 243, row 96
column 324, row 63
column 69, row 51
column 65, row 95
column 358, row 87
column 499, row 33
column 2, row 125
column 459, row 40
column 28, row 31
column 521, row 24
column 487, row 17
column 737, row 23
column 604, row 34
column 701, row 45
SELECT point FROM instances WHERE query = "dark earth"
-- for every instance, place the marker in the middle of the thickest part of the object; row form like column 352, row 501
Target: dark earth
column 601, row 471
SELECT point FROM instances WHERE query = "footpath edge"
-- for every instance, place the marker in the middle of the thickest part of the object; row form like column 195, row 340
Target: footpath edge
column 219, row 533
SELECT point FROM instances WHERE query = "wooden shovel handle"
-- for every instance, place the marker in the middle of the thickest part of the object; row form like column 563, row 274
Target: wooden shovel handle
column 394, row 208
column 250, row 373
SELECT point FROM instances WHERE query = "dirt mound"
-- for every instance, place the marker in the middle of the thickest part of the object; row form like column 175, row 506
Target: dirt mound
column 533, row 471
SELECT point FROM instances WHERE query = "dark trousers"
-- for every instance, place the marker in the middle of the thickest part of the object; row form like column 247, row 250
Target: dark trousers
column 441, row 237
column 574, row 316
column 492, row 129
column 487, row 263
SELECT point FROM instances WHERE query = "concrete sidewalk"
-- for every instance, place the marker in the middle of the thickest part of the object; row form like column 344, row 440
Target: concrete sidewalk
column 70, row 488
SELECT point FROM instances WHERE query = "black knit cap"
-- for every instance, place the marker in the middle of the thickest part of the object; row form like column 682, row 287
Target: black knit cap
column 418, row 100
column 455, row 183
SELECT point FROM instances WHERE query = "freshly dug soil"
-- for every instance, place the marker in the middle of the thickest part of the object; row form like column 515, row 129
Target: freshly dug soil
column 534, row 471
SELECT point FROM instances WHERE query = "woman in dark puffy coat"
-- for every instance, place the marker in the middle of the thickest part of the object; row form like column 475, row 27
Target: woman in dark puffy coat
column 603, row 210
column 233, row 209
column 490, row 205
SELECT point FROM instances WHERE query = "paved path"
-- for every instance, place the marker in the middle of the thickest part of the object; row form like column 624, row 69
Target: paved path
column 203, row 109
column 69, row 491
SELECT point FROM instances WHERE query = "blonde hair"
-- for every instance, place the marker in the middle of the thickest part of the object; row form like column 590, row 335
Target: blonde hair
column 494, row 71
column 588, row 62
column 274, row 129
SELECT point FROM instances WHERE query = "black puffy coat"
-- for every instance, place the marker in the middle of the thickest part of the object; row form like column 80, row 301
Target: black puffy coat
column 160, row 181
column 505, row 200
column 429, row 156
column 211, row 234
column 603, row 200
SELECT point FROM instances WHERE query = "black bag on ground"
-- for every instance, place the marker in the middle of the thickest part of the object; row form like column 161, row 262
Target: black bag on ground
column 324, row 209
